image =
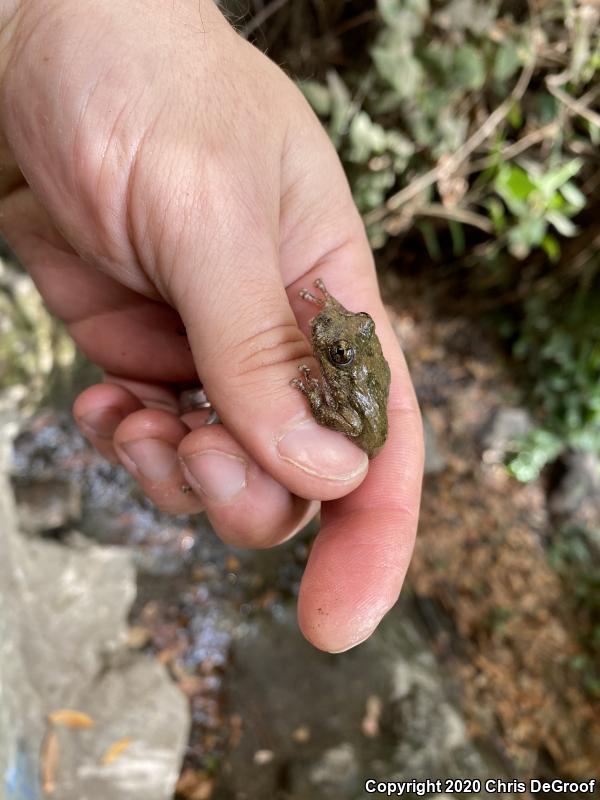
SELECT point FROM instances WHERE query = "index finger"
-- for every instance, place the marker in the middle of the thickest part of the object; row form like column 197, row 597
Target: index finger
column 359, row 559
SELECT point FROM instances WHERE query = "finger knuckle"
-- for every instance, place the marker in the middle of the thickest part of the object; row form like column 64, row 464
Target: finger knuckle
column 268, row 349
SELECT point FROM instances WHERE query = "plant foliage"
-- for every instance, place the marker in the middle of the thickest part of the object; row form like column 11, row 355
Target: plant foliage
column 471, row 118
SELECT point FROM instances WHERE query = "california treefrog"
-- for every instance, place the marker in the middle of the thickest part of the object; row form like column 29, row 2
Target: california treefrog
column 355, row 377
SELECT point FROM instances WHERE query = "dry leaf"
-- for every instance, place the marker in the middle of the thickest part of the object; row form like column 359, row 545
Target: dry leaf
column 302, row 734
column 115, row 750
column 195, row 785
column 69, row 718
column 49, row 760
column 138, row 637
column 232, row 564
column 370, row 722
column 262, row 757
column 236, row 724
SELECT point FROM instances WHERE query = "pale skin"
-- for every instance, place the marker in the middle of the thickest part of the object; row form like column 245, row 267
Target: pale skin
column 159, row 175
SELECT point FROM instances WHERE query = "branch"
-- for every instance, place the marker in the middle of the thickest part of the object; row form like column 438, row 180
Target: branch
column 455, row 214
column 574, row 105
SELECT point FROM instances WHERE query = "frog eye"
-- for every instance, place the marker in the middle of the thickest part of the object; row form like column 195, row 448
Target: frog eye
column 341, row 353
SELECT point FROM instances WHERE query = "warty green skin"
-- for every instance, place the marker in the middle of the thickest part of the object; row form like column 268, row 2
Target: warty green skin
column 351, row 398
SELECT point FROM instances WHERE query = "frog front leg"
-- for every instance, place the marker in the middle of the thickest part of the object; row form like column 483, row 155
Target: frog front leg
column 323, row 407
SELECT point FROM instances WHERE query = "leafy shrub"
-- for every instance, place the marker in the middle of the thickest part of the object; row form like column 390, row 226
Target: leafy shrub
column 558, row 347
column 478, row 118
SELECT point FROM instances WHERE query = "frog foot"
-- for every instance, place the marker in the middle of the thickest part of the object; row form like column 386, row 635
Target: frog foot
column 318, row 301
column 306, row 295
column 307, row 385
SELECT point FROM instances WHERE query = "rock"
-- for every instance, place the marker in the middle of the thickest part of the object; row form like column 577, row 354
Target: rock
column 576, row 499
column 434, row 460
column 507, row 428
column 47, row 504
column 280, row 683
column 416, row 700
column 64, row 661
column 337, row 767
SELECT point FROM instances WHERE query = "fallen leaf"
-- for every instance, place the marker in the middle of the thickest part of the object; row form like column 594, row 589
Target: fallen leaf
column 49, row 759
column 69, row 718
column 302, row 734
column 194, row 785
column 232, row 564
column 370, row 722
column 138, row 637
column 115, row 750
column 262, row 757
column 236, row 724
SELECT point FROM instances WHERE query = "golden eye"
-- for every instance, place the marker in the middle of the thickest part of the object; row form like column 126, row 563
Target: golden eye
column 341, row 353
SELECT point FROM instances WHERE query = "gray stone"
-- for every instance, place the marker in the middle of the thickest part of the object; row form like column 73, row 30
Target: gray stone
column 507, row 427
column 46, row 504
column 280, row 683
column 434, row 460
column 63, row 626
column 337, row 767
column 577, row 497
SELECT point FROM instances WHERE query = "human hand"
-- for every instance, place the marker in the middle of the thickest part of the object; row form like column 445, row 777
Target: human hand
column 170, row 191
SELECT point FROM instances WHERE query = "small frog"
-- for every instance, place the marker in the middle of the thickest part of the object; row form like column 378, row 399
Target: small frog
column 352, row 395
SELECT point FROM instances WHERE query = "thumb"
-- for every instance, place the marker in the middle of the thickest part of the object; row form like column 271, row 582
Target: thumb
column 247, row 347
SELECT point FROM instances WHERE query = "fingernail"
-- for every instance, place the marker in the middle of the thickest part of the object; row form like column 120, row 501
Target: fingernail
column 219, row 476
column 102, row 422
column 152, row 458
column 322, row 452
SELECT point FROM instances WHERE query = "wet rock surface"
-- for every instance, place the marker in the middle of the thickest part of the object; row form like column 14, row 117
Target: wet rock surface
column 384, row 711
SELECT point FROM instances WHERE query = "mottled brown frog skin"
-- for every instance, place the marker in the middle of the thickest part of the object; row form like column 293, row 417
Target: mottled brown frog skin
column 352, row 394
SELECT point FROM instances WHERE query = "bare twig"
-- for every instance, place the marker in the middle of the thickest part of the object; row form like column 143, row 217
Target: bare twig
column 261, row 17
column 545, row 132
column 515, row 148
column 576, row 106
column 456, row 214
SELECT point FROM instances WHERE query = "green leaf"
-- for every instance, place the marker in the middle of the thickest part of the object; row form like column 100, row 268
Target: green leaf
column 452, row 132
column 514, row 186
column 551, row 247
column 515, row 115
column 431, row 240
column 496, row 214
column 573, row 195
column 401, row 148
column 529, row 233
column 457, row 232
column 547, row 107
column 341, row 105
column 317, row 95
column 472, row 15
column 366, row 138
column 556, row 178
column 562, row 223
column 539, row 448
column 507, row 61
column 397, row 65
column 407, row 16
column 469, row 70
